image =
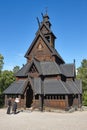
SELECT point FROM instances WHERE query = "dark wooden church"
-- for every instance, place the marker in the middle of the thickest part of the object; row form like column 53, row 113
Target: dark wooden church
column 45, row 81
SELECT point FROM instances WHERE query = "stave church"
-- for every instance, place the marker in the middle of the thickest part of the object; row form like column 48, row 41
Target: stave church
column 45, row 81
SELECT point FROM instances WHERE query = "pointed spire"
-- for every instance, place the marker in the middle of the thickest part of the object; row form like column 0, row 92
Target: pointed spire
column 46, row 10
column 74, row 61
column 46, row 18
column 74, row 67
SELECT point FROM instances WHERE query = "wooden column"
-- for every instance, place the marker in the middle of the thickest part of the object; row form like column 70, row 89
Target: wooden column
column 79, row 101
column 5, row 100
column 41, row 102
column 19, row 96
column 66, row 102
column 42, row 93
column 25, row 100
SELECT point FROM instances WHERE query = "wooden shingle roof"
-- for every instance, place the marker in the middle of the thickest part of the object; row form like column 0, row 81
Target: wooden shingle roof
column 47, row 68
column 17, row 87
column 53, row 51
column 50, row 86
column 54, row 86
column 68, row 70
column 23, row 71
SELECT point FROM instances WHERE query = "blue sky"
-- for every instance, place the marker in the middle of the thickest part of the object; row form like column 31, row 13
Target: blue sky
column 18, row 26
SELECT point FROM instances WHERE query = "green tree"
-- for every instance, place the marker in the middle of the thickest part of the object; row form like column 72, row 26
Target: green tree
column 82, row 74
column 16, row 69
column 6, row 78
column 1, row 66
column 1, row 62
column 85, row 98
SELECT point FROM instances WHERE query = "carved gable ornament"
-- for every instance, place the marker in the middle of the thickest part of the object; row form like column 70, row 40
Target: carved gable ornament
column 44, row 30
column 40, row 46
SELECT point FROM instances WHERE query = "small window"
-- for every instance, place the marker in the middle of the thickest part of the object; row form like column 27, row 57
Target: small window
column 48, row 38
column 22, row 96
column 40, row 46
column 76, row 96
column 37, row 97
column 12, row 96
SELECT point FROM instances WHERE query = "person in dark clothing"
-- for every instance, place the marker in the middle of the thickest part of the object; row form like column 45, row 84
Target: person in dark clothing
column 9, row 106
column 14, row 107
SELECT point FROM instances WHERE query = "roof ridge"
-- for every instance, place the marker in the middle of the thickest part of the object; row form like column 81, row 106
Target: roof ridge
column 58, row 67
column 64, row 86
column 68, row 82
column 76, row 86
column 36, row 62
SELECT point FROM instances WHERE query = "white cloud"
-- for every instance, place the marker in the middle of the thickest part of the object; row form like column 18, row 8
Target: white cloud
column 20, row 55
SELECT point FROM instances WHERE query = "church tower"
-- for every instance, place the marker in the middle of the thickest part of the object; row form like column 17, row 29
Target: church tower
column 46, row 30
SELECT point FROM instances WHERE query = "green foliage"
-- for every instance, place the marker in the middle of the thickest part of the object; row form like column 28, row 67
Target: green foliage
column 1, row 62
column 85, row 98
column 1, row 100
column 6, row 78
column 16, row 69
column 82, row 74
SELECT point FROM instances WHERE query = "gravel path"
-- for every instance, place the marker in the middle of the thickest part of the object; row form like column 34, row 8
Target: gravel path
column 43, row 121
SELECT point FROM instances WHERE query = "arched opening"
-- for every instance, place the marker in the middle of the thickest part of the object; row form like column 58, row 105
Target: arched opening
column 29, row 96
column 70, row 100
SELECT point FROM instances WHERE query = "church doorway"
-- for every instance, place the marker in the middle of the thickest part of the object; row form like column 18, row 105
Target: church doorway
column 29, row 96
column 70, row 100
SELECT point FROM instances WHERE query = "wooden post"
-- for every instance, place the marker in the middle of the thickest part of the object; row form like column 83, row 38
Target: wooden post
column 42, row 93
column 79, row 101
column 25, row 100
column 5, row 100
column 19, row 96
column 41, row 102
column 66, row 102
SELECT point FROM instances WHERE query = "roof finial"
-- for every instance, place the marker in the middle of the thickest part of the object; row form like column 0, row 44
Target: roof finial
column 46, row 9
column 74, row 61
column 38, row 22
column 42, row 15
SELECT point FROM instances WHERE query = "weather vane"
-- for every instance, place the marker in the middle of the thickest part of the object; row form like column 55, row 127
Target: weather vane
column 46, row 9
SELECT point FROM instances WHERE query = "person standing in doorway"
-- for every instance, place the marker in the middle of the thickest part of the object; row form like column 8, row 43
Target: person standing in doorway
column 9, row 105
